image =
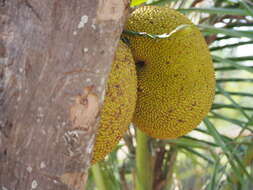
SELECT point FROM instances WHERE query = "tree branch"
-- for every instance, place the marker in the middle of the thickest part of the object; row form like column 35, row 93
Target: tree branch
column 49, row 113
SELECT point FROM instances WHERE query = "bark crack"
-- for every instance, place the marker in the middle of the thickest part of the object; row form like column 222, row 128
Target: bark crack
column 29, row 5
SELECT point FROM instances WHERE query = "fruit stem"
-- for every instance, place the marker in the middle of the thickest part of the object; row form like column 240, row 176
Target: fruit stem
column 98, row 177
column 144, row 178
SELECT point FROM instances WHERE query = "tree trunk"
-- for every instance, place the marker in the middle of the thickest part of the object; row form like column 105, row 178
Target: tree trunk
column 54, row 59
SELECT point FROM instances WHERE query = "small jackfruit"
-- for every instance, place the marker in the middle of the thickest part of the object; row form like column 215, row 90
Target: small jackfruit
column 119, row 103
column 175, row 75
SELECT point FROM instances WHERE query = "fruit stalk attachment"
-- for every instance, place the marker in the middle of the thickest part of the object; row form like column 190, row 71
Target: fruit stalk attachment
column 144, row 178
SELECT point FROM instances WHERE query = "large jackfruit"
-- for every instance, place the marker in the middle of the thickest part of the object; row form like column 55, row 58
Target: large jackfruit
column 175, row 75
column 119, row 103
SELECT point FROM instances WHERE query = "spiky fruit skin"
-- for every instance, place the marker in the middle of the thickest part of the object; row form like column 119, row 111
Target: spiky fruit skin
column 119, row 103
column 176, row 83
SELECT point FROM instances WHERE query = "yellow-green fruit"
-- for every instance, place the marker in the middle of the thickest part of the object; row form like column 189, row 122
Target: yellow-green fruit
column 175, row 75
column 119, row 103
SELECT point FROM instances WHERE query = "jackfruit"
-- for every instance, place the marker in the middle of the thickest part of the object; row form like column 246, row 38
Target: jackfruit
column 119, row 103
column 176, row 81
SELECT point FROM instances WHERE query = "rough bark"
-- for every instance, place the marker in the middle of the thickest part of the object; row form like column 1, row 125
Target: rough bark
column 54, row 59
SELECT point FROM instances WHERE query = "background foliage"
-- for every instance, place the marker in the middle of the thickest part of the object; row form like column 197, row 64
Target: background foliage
column 218, row 154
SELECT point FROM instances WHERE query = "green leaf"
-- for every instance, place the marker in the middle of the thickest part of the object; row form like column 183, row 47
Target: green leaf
column 230, row 106
column 213, row 183
column 223, row 69
column 229, row 32
column 239, row 24
column 247, row 7
column 137, row 2
column 234, row 80
column 187, row 142
column 98, row 177
column 216, row 10
column 230, row 45
column 223, row 38
column 232, row 157
column 232, row 62
column 242, row 58
column 200, row 140
column 236, row 93
column 227, row 139
column 198, row 154
column 237, row 122
column 234, row 103
column 159, row 2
